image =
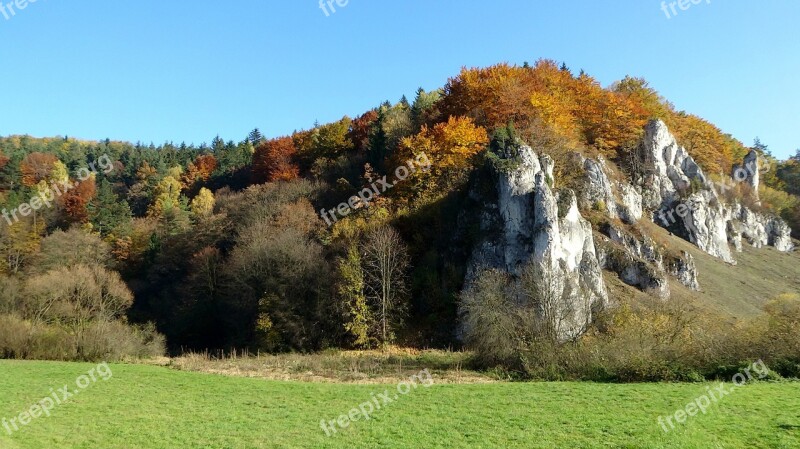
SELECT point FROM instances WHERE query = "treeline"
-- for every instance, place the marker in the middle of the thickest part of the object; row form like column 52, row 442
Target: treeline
column 221, row 246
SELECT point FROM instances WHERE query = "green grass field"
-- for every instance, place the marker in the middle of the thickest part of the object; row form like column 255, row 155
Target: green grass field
column 144, row 407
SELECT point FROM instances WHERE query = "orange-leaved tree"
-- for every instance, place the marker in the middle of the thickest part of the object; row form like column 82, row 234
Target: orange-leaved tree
column 200, row 170
column 36, row 167
column 449, row 147
column 609, row 121
column 490, row 96
column 76, row 200
column 273, row 161
column 709, row 146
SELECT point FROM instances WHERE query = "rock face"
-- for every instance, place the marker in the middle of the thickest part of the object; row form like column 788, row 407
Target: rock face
column 705, row 223
column 749, row 171
column 735, row 235
column 641, row 247
column 667, row 170
column 685, row 201
column 624, row 202
column 636, row 260
column 750, row 225
column 598, row 188
column 639, row 262
column 630, row 208
column 529, row 224
column 685, row 270
column 681, row 196
column 757, row 228
column 779, row 234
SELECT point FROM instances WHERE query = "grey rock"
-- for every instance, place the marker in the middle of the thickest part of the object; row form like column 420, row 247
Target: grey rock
column 779, row 234
column 706, row 225
column 684, row 269
column 630, row 207
column 681, row 195
column 749, row 171
column 531, row 224
column 633, row 270
column 598, row 188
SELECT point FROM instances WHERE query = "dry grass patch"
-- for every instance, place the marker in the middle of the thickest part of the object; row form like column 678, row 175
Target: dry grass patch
column 361, row 367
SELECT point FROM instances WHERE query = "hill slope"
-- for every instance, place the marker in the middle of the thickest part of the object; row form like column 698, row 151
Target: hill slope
column 739, row 291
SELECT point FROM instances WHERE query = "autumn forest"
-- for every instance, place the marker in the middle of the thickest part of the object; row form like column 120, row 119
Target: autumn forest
column 175, row 247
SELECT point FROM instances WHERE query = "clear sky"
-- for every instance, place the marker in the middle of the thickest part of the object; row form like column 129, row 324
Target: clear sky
column 176, row 70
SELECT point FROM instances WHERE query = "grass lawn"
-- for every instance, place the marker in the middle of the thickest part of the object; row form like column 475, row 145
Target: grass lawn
column 143, row 407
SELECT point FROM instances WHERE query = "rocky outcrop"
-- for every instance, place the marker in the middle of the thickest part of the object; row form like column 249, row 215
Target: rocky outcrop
column 684, row 269
column 666, row 170
column 618, row 200
column 632, row 270
column 535, row 227
column 639, row 262
column 749, row 171
column 598, row 192
column 636, row 260
column 548, row 166
column 750, row 225
column 530, row 224
column 703, row 219
column 759, row 229
column 686, row 202
column 735, row 235
column 779, row 234
column 642, row 247
column 630, row 206
column 679, row 193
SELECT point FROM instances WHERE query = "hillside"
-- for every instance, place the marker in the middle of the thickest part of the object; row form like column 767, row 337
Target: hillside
column 502, row 212
column 736, row 291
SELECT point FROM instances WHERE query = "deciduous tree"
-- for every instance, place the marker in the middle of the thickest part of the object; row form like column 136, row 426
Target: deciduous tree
column 36, row 167
column 386, row 262
column 203, row 204
column 358, row 319
column 77, row 199
column 274, row 161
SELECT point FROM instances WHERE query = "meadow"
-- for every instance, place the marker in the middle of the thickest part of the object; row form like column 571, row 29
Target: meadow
column 158, row 407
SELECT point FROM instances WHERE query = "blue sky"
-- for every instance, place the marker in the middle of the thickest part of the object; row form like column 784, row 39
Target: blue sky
column 155, row 71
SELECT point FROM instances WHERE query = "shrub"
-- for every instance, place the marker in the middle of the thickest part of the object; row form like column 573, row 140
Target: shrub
column 113, row 340
column 13, row 337
column 659, row 341
column 50, row 343
column 490, row 321
column 101, row 340
column 600, row 206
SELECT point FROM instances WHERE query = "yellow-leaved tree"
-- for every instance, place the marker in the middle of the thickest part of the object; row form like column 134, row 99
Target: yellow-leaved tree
column 167, row 196
column 449, row 147
column 203, row 204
